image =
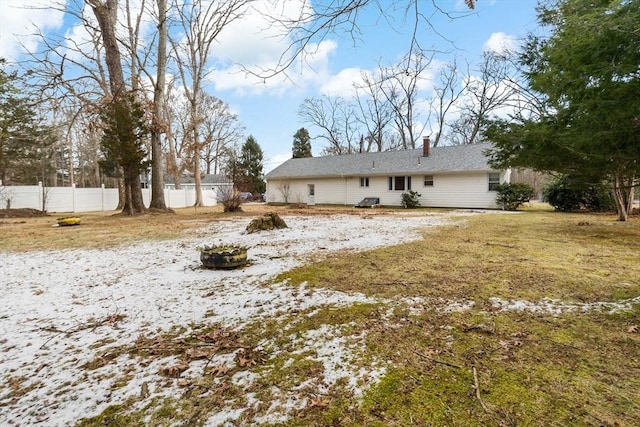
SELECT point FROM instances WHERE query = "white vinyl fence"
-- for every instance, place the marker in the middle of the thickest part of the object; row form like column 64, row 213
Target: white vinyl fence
column 72, row 199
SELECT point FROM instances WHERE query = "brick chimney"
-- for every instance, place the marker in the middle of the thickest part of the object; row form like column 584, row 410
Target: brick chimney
column 425, row 146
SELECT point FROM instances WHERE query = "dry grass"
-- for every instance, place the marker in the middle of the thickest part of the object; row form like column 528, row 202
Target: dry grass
column 531, row 255
column 106, row 229
column 531, row 368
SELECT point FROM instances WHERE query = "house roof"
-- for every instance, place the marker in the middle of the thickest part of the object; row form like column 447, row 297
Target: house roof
column 458, row 158
column 206, row 179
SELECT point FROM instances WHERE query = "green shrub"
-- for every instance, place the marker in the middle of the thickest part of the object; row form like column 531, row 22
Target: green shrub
column 562, row 195
column 410, row 199
column 569, row 193
column 513, row 195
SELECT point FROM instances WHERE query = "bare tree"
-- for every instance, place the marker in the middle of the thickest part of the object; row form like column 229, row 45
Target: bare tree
column 177, row 119
column 313, row 24
column 106, row 13
column 220, row 129
column 122, row 25
column 159, row 126
column 285, row 189
column 401, row 87
column 486, row 93
column 72, row 80
column 376, row 113
column 200, row 23
column 336, row 118
column 446, row 92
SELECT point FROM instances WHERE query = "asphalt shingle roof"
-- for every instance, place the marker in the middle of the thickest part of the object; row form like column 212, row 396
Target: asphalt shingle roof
column 459, row 158
column 206, row 179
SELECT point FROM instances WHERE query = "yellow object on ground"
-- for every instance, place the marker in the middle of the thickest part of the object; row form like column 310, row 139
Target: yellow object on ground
column 70, row 220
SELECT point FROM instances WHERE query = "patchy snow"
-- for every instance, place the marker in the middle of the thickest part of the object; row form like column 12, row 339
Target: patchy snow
column 63, row 309
column 557, row 307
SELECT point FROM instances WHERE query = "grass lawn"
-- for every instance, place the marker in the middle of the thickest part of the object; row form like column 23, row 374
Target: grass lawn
column 529, row 319
column 540, row 366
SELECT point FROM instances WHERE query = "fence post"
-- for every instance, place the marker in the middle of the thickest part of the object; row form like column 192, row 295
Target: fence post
column 40, row 207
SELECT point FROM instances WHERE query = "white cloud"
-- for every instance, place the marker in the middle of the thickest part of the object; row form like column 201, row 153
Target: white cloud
column 342, row 83
column 19, row 20
column 500, row 43
column 275, row 161
column 255, row 43
column 228, row 75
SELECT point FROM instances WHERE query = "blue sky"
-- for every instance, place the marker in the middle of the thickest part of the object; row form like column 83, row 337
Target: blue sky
column 269, row 111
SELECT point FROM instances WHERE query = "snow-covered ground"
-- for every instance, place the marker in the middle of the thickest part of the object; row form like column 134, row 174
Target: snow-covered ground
column 61, row 309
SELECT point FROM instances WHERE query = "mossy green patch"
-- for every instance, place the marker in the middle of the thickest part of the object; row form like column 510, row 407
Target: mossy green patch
column 114, row 415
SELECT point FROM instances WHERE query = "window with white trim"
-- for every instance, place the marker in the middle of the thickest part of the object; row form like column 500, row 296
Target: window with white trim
column 364, row 181
column 399, row 183
column 494, row 181
column 428, row 180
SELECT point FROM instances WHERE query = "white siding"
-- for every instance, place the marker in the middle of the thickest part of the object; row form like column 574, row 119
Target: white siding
column 469, row 190
column 463, row 190
column 330, row 191
column 377, row 188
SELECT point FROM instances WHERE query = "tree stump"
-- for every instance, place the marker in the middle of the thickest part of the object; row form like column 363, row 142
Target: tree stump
column 268, row 221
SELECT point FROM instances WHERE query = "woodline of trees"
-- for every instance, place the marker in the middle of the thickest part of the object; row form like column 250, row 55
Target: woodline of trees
column 394, row 108
column 125, row 60
column 131, row 94
column 118, row 77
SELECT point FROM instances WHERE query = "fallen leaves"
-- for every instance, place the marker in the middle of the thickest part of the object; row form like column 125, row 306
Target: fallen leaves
column 102, row 360
column 320, row 402
column 174, row 371
column 480, row 328
column 246, row 358
column 202, row 343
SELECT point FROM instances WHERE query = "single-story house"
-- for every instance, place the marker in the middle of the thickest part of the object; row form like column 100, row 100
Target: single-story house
column 451, row 176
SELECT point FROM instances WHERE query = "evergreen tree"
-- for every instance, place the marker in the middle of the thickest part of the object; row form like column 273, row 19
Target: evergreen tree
column 123, row 144
column 24, row 142
column 586, row 74
column 301, row 144
column 246, row 168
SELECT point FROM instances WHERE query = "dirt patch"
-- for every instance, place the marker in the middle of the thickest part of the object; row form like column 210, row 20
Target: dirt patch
column 21, row 213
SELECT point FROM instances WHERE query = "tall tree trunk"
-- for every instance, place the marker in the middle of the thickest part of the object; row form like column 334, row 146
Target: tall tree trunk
column 157, row 178
column 196, row 148
column 623, row 192
column 196, row 172
column 122, row 190
column 106, row 13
